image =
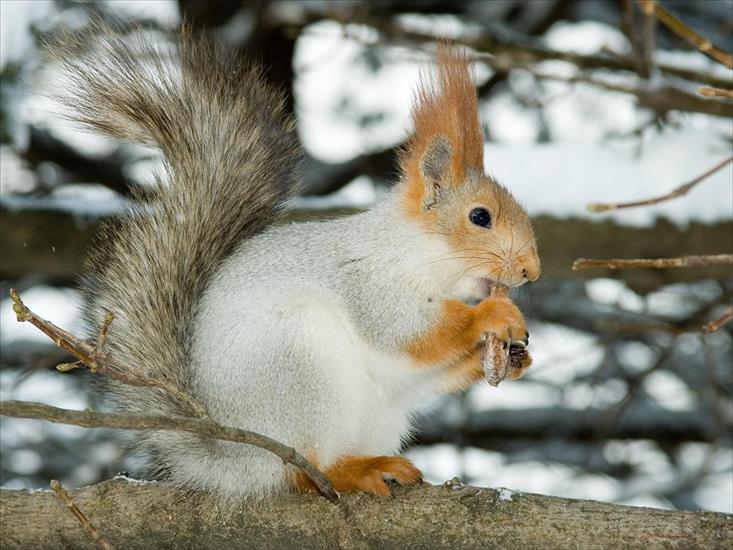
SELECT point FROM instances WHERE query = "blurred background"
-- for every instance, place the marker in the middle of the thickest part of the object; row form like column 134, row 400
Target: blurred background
column 581, row 102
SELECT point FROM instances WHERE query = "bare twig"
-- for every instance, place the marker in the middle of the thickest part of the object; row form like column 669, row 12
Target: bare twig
column 519, row 51
column 94, row 359
column 200, row 426
column 506, row 56
column 628, row 27
column 709, row 91
column 648, row 36
column 659, row 98
column 677, row 192
column 92, row 531
column 685, row 32
column 712, row 326
column 658, row 263
column 104, row 331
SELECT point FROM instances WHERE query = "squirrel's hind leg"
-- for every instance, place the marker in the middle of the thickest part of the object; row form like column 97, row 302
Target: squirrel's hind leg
column 368, row 474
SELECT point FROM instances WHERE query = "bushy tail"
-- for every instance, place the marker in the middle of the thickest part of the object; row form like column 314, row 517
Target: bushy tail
column 230, row 164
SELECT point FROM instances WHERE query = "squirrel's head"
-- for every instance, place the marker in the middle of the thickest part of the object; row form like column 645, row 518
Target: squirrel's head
column 445, row 190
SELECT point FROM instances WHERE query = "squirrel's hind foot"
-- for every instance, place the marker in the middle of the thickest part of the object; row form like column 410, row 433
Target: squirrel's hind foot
column 367, row 474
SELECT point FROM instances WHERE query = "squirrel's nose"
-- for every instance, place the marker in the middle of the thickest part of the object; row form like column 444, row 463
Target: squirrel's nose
column 531, row 271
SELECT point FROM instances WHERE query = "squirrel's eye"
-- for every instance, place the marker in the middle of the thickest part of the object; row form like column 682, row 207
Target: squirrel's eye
column 480, row 216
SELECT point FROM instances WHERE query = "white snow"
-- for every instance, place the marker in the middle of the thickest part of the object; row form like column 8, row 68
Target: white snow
column 163, row 11
column 359, row 193
column 585, row 37
column 505, row 495
column 16, row 17
column 613, row 292
column 59, row 306
column 669, row 391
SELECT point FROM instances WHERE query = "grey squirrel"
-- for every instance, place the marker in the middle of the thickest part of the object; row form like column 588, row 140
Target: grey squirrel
column 326, row 336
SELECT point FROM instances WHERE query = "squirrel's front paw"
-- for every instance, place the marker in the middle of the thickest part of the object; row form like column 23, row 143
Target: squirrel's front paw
column 502, row 318
column 519, row 361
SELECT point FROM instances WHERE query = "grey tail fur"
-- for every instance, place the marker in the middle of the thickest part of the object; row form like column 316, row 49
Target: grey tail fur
column 231, row 161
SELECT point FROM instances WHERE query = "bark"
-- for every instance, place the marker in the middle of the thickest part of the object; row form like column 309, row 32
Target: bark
column 155, row 515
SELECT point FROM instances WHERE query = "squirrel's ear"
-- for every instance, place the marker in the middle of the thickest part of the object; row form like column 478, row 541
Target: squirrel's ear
column 435, row 169
column 447, row 139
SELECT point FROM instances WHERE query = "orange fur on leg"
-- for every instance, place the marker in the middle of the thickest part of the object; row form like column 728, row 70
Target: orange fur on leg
column 466, row 372
column 363, row 474
column 460, row 328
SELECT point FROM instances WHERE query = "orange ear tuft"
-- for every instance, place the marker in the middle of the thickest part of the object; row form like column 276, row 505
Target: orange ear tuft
column 446, row 107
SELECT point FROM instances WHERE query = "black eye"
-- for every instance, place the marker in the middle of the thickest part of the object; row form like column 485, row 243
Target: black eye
column 480, row 216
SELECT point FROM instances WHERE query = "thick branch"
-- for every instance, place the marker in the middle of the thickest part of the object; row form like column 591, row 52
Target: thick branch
column 676, row 192
column 657, row 263
column 200, row 426
column 484, row 429
column 155, row 515
column 27, row 235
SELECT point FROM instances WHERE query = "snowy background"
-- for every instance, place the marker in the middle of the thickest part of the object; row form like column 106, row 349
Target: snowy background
column 627, row 400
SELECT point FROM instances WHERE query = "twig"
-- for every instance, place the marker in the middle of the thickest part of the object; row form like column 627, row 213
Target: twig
column 648, row 25
column 200, row 426
column 709, row 91
column 628, row 28
column 104, row 331
column 712, row 326
column 92, row 531
column 660, row 99
column 685, row 32
column 677, row 192
column 93, row 357
column 658, row 263
column 520, row 51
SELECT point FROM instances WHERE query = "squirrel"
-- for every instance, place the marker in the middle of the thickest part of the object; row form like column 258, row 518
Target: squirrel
column 327, row 336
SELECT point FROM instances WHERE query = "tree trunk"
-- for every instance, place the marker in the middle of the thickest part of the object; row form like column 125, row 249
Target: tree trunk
column 155, row 515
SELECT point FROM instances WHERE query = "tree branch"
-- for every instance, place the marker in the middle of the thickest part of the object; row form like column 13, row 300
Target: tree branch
column 519, row 50
column 88, row 526
column 677, row 192
column 448, row 516
column 199, row 426
column 504, row 55
column 94, row 359
column 648, row 38
column 640, row 420
column 712, row 326
column 685, row 32
column 659, row 263
column 709, row 91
